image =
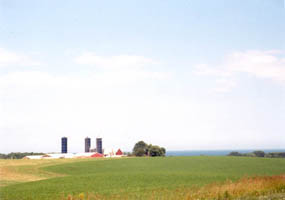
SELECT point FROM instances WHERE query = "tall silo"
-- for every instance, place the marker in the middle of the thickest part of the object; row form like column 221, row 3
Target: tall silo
column 99, row 145
column 64, row 145
column 87, row 144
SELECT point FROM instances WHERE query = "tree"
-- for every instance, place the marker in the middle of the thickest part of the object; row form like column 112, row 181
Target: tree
column 140, row 149
column 143, row 149
column 156, row 151
column 163, row 150
column 259, row 153
column 18, row 155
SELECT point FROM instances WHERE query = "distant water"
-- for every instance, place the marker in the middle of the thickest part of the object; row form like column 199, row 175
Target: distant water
column 215, row 152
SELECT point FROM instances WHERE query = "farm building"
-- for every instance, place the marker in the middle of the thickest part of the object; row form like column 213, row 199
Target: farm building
column 65, row 155
column 110, row 153
column 34, row 157
column 97, row 155
column 50, row 156
column 119, row 152
column 87, row 155
column 57, row 156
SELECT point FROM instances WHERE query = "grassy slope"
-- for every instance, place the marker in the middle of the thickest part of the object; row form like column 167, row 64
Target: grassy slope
column 140, row 174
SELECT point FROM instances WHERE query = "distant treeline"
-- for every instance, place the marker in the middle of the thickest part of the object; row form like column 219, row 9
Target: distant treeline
column 259, row 154
column 18, row 155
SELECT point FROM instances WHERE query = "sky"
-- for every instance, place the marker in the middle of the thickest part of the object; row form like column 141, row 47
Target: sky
column 185, row 75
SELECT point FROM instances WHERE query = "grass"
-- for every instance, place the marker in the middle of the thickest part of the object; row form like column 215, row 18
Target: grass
column 17, row 171
column 272, row 187
column 142, row 178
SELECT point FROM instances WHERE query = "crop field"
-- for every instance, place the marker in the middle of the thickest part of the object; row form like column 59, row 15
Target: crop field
column 142, row 178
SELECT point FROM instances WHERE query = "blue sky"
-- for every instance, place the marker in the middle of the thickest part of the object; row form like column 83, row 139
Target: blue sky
column 182, row 74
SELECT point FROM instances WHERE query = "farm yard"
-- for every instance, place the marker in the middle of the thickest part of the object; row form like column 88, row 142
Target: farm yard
column 197, row 177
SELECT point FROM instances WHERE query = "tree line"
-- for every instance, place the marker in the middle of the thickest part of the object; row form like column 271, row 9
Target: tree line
column 259, row 154
column 18, row 155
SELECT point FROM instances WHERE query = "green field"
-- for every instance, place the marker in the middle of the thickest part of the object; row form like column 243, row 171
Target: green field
column 133, row 177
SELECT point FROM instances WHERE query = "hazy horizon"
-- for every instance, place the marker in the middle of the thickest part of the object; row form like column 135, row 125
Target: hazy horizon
column 191, row 151
column 183, row 74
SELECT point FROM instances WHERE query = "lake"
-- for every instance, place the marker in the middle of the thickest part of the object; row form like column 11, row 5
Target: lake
column 215, row 152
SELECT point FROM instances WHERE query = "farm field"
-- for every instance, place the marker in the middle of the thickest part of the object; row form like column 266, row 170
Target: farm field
column 138, row 178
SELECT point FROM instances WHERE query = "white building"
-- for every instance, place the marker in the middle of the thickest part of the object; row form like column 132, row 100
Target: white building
column 34, row 157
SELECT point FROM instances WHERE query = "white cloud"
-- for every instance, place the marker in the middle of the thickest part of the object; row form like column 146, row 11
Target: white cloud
column 123, row 105
column 36, row 104
column 39, row 108
column 224, row 85
column 9, row 58
column 119, row 61
column 206, row 70
column 260, row 64
column 122, row 68
column 224, row 82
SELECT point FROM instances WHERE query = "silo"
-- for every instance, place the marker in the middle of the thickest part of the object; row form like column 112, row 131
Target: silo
column 99, row 145
column 87, row 144
column 64, row 145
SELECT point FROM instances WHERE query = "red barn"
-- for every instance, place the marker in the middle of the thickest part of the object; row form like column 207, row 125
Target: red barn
column 97, row 155
column 119, row 152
